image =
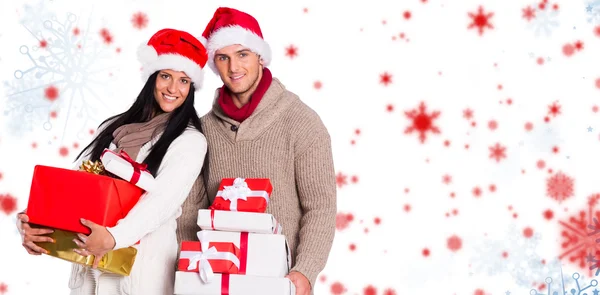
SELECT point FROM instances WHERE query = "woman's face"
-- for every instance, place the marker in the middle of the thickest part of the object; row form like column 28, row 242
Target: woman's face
column 171, row 89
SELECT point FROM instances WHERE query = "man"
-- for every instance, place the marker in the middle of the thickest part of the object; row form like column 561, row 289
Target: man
column 258, row 129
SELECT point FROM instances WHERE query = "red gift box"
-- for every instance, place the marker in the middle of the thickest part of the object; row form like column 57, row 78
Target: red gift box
column 216, row 257
column 59, row 198
column 243, row 195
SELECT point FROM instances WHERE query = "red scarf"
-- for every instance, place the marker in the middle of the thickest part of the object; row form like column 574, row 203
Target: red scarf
column 240, row 114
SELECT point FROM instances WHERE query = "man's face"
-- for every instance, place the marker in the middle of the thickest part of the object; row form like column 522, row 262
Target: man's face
column 239, row 68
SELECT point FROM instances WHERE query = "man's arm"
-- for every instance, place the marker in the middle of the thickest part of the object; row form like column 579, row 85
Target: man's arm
column 315, row 181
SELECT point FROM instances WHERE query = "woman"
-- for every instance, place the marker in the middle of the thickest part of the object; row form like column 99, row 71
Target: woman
column 160, row 129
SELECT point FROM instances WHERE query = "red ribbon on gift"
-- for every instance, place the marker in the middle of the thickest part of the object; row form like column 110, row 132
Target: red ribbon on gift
column 243, row 252
column 225, row 284
column 137, row 167
column 212, row 219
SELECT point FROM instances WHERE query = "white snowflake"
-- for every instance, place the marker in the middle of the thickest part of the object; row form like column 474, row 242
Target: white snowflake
column 592, row 10
column 77, row 64
column 33, row 17
column 545, row 21
column 515, row 254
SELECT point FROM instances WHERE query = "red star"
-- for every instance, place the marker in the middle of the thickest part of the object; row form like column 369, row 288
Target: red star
column 385, row 78
column 497, row 152
column 422, row 122
column 291, row 51
column 528, row 13
column 139, row 20
column 340, row 179
column 554, row 109
column 468, row 114
column 481, row 20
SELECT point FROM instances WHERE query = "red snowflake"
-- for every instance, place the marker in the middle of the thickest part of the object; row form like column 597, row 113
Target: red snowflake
column 3, row 288
column 370, row 290
column 407, row 14
column 597, row 31
column 468, row 114
column 493, row 125
column 454, row 243
column 554, row 109
column 63, row 151
column 385, row 78
column 340, row 179
column 422, row 122
column 139, row 20
column 497, row 152
column 477, row 192
column 51, row 93
column 598, row 83
column 8, row 204
column 343, row 220
column 577, row 243
column 337, row 288
column 106, row 36
column 354, row 179
column 43, row 44
column 548, row 214
column 76, row 31
column 389, row 108
column 568, row 49
column 579, row 45
column 528, row 13
column 291, row 51
column 481, row 20
column 426, row 252
column 560, row 186
column 389, row 292
column 317, row 85
column 447, row 179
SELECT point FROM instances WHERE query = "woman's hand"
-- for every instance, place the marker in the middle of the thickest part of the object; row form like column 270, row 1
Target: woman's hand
column 98, row 243
column 31, row 235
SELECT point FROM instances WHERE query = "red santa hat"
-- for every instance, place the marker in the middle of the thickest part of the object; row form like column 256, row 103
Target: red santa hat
column 175, row 50
column 230, row 26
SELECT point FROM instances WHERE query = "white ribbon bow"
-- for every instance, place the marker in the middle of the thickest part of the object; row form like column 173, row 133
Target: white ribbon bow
column 239, row 191
column 206, row 271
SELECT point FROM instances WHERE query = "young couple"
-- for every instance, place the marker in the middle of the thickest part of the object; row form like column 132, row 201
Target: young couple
column 255, row 129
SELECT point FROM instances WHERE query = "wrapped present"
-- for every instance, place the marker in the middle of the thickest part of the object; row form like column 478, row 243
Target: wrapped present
column 260, row 223
column 126, row 168
column 244, row 195
column 59, row 198
column 117, row 261
column 265, row 255
column 227, row 284
column 206, row 260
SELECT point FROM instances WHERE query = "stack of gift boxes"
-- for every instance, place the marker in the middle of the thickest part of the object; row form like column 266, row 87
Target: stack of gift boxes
column 102, row 192
column 241, row 249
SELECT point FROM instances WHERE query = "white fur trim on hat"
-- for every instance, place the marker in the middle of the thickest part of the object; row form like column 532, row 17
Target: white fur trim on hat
column 152, row 62
column 231, row 35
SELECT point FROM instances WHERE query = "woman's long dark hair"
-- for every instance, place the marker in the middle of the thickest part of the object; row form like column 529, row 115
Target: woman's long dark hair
column 141, row 111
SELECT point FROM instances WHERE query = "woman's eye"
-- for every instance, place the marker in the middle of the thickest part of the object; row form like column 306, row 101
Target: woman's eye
column 184, row 81
column 164, row 76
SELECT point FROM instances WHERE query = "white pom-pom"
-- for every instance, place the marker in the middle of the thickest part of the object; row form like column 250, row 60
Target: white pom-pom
column 146, row 54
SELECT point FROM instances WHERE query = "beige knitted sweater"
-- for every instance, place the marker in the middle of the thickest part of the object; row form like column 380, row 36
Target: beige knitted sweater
column 283, row 140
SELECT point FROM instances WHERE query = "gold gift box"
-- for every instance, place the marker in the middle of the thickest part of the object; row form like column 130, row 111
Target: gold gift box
column 117, row 262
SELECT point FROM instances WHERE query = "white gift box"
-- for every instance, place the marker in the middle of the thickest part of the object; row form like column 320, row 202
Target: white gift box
column 189, row 283
column 265, row 255
column 124, row 167
column 222, row 220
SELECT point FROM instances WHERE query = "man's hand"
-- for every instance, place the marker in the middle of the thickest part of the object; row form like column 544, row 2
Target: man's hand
column 98, row 243
column 301, row 282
